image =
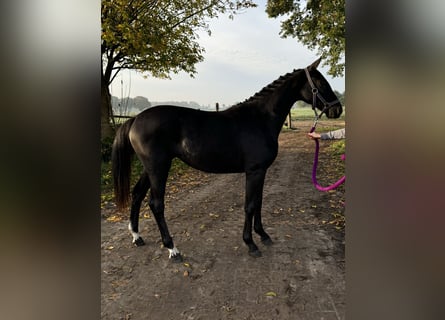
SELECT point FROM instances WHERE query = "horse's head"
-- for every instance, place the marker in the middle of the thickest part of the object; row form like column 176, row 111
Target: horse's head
column 319, row 93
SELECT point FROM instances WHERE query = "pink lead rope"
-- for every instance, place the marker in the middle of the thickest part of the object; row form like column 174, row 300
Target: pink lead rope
column 315, row 95
column 314, row 169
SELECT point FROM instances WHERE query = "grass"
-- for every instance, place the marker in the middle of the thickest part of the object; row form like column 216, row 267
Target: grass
column 338, row 147
column 307, row 113
column 335, row 170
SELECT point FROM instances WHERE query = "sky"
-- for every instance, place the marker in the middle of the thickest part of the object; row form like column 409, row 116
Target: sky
column 241, row 57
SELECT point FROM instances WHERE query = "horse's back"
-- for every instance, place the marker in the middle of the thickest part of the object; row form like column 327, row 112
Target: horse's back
column 171, row 123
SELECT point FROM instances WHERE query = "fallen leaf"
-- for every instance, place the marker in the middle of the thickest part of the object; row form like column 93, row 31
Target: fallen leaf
column 270, row 294
column 114, row 219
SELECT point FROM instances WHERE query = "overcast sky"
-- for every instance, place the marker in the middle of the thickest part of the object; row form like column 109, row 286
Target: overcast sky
column 241, row 57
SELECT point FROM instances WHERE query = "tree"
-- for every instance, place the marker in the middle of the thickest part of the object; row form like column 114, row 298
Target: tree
column 340, row 96
column 141, row 103
column 318, row 24
column 156, row 37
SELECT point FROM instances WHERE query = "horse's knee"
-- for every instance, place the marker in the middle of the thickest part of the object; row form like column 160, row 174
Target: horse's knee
column 251, row 207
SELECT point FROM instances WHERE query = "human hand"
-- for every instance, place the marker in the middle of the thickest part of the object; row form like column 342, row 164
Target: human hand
column 314, row 135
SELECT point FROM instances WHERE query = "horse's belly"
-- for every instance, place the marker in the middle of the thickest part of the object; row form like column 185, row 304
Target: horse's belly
column 211, row 158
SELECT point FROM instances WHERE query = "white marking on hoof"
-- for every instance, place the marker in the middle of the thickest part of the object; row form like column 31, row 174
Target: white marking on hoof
column 173, row 252
column 134, row 234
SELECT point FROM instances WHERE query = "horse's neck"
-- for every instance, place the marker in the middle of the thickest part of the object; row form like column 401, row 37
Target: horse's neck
column 281, row 106
column 275, row 101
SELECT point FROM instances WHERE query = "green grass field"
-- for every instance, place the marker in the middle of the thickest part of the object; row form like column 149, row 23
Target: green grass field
column 308, row 114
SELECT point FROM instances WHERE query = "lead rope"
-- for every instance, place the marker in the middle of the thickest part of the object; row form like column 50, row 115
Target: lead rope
column 315, row 94
column 314, row 168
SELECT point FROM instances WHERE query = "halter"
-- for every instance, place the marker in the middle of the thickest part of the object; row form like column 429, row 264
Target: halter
column 315, row 95
column 327, row 105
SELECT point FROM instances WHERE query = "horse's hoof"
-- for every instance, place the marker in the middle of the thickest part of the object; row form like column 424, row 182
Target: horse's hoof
column 177, row 258
column 267, row 241
column 138, row 242
column 255, row 254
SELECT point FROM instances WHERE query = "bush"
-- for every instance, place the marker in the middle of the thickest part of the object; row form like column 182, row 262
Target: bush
column 338, row 147
column 105, row 149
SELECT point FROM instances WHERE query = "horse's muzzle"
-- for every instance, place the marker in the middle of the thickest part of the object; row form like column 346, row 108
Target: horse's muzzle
column 334, row 111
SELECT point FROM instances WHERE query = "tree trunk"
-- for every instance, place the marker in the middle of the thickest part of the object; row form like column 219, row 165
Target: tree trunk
column 106, row 131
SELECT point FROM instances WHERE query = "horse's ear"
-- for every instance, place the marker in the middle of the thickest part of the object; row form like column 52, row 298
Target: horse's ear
column 315, row 64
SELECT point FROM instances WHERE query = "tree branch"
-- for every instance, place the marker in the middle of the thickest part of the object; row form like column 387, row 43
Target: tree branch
column 114, row 76
column 194, row 14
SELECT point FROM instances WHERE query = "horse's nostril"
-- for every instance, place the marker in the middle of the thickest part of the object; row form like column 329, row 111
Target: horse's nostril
column 334, row 112
column 338, row 111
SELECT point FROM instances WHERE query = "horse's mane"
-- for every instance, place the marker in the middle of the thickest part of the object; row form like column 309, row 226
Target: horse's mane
column 267, row 90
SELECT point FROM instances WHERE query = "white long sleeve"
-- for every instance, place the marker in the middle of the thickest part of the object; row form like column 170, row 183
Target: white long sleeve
column 333, row 135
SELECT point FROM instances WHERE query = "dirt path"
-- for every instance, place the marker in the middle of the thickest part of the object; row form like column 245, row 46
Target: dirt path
column 301, row 276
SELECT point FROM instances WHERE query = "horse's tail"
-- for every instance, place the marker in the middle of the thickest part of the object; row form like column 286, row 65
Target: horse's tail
column 121, row 164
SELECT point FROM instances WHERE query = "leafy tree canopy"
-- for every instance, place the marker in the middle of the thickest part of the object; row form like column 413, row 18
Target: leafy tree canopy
column 318, row 24
column 157, row 36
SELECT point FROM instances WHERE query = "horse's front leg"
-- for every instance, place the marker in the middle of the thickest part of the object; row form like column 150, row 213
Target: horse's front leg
column 254, row 199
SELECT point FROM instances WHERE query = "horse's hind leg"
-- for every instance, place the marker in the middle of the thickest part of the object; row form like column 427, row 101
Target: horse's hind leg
column 158, row 178
column 139, row 192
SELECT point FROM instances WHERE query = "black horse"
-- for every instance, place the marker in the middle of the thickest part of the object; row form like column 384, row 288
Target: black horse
column 243, row 138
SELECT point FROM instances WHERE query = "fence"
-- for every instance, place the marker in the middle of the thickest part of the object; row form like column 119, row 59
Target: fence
column 118, row 119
